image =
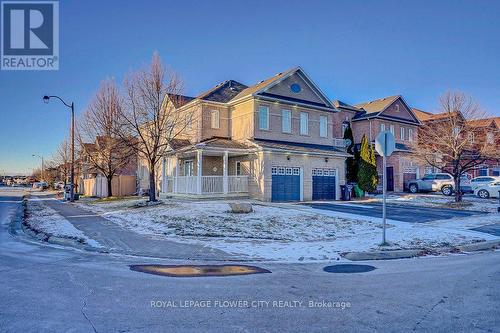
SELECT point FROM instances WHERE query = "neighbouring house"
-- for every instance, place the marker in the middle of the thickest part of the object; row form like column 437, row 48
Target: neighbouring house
column 386, row 114
column 92, row 182
column 487, row 130
column 272, row 141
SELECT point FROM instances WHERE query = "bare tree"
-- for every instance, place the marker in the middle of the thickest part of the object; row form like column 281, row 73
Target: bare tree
column 100, row 124
column 62, row 160
column 150, row 114
column 451, row 140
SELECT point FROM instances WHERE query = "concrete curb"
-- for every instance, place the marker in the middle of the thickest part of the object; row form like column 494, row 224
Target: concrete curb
column 49, row 238
column 404, row 254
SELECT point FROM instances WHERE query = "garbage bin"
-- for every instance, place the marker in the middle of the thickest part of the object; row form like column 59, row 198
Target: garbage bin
column 345, row 192
column 358, row 192
column 342, row 192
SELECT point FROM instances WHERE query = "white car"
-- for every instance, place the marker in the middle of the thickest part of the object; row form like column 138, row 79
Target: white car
column 490, row 190
column 483, row 180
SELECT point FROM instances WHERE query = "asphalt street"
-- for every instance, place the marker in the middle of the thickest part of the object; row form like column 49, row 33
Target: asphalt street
column 398, row 212
column 54, row 289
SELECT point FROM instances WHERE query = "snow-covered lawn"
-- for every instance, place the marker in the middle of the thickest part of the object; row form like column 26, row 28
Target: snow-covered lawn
column 42, row 218
column 279, row 232
column 469, row 202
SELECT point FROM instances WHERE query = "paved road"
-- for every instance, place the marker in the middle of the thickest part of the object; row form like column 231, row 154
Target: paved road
column 398, row 212
column 48, row 288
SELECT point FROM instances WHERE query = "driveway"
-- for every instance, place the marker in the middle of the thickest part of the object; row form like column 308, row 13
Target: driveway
column 404, row 213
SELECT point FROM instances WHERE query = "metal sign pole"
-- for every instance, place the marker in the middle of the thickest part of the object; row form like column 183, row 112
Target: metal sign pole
column 384, row 184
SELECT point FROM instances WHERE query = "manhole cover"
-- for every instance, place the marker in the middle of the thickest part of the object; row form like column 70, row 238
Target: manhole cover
column 348, row 268
column 198, row 270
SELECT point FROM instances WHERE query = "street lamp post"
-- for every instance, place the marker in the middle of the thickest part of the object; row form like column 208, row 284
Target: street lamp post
column 72, row 107
column 40, row 156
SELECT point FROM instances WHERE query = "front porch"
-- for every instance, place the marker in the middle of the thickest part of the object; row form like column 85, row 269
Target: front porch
column 206, row 172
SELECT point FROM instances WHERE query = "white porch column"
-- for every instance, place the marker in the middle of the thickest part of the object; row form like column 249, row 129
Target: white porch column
column 224, row 172
column 176, row 173
column 199, row 157
column 163, row 174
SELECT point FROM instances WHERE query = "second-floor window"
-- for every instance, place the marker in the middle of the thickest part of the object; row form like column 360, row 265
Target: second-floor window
column 471, row 137
column 323, row 126
column 382, row 127
column 286, row 121
column 410, row 134
column 402, row 133
column 215, row 119
column 345, row 125
column 263, row 117
column 304, row 123
column 490, row 138
column 391, row 128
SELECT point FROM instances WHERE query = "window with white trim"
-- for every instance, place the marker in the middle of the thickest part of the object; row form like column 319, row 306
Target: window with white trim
column 410, row 134
column 323, row 126
column 304, row 123
column 391, row 128
column 490, row 138
column 215, row 119
column 238, row 168
column 263, row 117
column 286, row 121
column 189, row 168
column 345, row 125
column 402, row 133
column 382, row 127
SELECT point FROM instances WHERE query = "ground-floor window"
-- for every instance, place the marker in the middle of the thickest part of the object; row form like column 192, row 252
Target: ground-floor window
column 483, row 171
column 188, row 168
column 238, row 168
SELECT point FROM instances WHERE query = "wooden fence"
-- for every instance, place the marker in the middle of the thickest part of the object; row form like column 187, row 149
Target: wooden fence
column 120, row 186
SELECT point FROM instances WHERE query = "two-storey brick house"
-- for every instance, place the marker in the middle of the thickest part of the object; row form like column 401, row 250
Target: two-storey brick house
column 273, row 141
column 386, row 114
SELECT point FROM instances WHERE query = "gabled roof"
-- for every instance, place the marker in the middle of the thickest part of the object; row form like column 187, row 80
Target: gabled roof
column 261, row 87
column 223, row 92
column 425, row 115
column 342, row 105
column 378, row 105
column 486, row 122
column 179, row 100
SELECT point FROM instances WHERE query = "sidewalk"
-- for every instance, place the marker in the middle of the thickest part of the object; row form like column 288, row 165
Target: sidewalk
column 115, row 239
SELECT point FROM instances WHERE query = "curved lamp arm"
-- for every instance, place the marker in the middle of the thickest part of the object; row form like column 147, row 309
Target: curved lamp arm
column 46, row 99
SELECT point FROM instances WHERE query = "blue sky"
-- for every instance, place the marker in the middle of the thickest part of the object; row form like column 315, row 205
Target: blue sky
column 354, row 50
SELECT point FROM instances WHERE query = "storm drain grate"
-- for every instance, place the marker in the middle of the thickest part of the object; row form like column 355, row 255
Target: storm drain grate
column 348, row 268
column 198, row 270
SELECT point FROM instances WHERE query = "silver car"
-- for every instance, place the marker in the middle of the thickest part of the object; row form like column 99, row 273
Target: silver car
column 433, row 182
column 483, row 180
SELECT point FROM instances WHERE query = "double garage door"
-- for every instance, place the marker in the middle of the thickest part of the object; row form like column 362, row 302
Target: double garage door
column 286, row 184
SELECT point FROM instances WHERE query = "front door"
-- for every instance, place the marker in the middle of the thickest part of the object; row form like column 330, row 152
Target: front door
column 390, row 178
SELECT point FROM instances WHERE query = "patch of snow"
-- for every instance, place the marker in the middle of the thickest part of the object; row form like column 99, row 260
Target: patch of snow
column 281, row 231
column 43, row 218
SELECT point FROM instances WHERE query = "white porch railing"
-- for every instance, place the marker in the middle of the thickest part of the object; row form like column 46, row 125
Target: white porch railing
column 238, row 184
column 185, row 184
column 209, row 184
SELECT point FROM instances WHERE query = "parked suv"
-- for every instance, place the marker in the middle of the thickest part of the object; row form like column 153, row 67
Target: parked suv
column 433, row 182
